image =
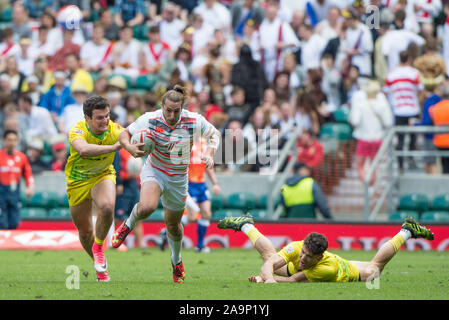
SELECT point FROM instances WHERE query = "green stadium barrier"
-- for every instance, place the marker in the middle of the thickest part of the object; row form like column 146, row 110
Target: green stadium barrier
column 241, row 200
column 338, row 131
column 441, row 202
column 60, row 213
column 217, row 202
column 224, row 213
column 401, row 215
column 414, row 201
column 33, row 212
column 435, row 216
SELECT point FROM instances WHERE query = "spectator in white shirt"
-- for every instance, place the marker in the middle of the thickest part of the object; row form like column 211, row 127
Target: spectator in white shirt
column 215, row 14
column 154, row 53
column 126, row 53
column 96, row 54
column 171, row 27
column 403, row 86
column 36, row 121
column 330, row 28
column 312, row 47
column 8, row 47
column 359, row 43
column 25, row 61
column 370, row 115
column 396, row 41
column 73, row 113
column 277, row 39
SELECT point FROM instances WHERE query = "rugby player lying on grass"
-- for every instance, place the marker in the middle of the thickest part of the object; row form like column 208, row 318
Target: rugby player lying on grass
column 308, row 260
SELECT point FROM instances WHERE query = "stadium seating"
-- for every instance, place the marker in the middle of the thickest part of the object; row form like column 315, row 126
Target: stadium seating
column 33, row 212
column 60, row 213
column 401, row 215
column 217, row 202
column 435, row 216
column 259, row 214
column 338, row 131
column 341, row 115
column 441, row 202
column 414, row 201
column 64, row 201
column 241, row 200
column 223, row 213
column 6, row 15
column 156, row 215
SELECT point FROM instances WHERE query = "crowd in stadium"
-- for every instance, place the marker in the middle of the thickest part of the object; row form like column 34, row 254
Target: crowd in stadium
column 249, row 66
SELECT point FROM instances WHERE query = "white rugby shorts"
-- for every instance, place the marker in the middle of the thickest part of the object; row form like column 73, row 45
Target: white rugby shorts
column 174, row 188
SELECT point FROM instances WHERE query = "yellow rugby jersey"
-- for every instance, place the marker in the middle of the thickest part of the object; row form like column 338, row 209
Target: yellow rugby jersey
column 80, row 169
column 331, row 268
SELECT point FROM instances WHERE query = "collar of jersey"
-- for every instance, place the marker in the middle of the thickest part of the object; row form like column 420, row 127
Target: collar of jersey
column 179, row 120
column 101, row 136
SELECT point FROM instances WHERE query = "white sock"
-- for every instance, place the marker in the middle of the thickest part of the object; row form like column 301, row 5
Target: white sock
column 405, row 234
column 132, row 219
column 203, row 222
column 184, row 220
column 175, row 247
column 247, row 227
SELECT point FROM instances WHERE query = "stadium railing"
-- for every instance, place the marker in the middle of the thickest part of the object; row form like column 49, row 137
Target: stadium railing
column 383, row 195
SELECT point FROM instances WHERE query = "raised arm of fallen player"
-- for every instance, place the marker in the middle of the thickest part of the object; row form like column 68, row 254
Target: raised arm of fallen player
column 86, row 149
column 134, row 149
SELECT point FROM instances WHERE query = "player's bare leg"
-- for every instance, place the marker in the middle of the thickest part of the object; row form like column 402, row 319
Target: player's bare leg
column 174, row 237
column 410, row 229
column 103, row 199
column 150, row 193
column 82, row 218
column 262, row 244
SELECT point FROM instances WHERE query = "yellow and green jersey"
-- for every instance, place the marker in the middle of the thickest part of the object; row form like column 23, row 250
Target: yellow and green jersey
column 81, row 169
column 331, row 268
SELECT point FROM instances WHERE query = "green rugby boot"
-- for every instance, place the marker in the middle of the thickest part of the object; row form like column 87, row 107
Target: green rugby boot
column 417, row 230
column 235, row 223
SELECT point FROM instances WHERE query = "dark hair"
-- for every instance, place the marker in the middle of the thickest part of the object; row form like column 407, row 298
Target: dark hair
column 154, row 29
column 404, row 56
column 7, row 132
column 94, row 103
column 26, row 97
column 316, row 243
column 7, row 32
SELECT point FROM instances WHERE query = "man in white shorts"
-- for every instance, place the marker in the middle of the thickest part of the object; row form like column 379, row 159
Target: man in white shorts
column 165, row 172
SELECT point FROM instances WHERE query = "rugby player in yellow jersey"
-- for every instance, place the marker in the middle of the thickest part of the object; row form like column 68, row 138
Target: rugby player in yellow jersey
column 308, row 260
column 90, row 178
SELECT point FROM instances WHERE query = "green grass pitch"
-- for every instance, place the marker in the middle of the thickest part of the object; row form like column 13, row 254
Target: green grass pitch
column 220, row 275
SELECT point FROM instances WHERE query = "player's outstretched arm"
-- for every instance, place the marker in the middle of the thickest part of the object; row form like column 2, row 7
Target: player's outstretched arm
column 267, row 271
column 134, row 149
column 85, row 149
column 297, row 277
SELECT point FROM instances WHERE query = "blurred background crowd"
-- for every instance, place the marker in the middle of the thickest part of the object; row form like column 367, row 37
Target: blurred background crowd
column 253, row 67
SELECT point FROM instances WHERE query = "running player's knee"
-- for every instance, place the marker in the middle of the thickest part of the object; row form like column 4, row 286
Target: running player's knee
column 175, row 230
column 146, row 209
column 106, row 209
column 85, row 234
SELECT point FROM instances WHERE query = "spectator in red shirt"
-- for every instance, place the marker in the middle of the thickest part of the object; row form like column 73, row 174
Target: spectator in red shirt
column 310, row 150
column 13, row 165
column 59, row 151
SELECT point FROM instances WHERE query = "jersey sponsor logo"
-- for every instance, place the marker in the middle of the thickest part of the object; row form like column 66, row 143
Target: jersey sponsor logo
column 79, row 131
column 289, row 249
column 160, row 129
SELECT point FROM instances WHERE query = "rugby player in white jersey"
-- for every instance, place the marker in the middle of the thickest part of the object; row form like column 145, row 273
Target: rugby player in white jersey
column 165, row 173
